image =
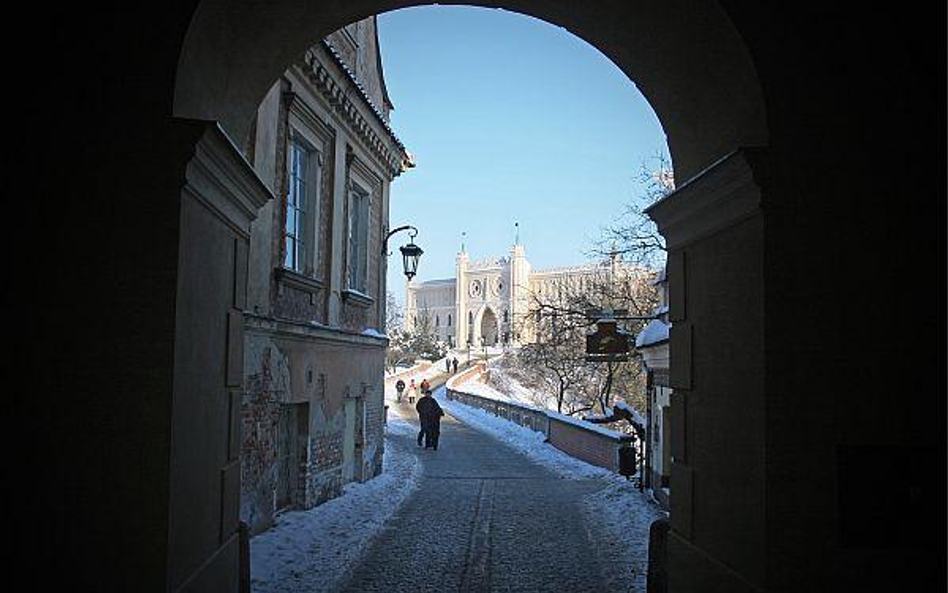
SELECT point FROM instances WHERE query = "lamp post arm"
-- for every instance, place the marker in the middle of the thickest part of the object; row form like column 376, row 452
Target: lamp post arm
column 405, row 227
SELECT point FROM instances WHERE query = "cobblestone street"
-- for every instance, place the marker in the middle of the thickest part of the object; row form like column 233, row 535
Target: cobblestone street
column 484, row 518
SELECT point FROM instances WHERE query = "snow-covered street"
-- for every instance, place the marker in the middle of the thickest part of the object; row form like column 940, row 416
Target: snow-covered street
column 495, row 508
column 311, row 551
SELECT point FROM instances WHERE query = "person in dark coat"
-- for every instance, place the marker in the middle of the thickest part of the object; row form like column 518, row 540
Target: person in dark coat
column 454, row 363
column 429, row 416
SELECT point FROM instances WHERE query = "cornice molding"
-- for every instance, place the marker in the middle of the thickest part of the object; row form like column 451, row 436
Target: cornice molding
column 714, row 199
column 396, row 160
column 221, row 178
column 303, row 332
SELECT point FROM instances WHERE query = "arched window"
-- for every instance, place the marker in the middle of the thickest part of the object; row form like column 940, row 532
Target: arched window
column 449, row 320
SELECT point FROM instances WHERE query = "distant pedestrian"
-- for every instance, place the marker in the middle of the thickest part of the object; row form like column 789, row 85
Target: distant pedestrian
column 447, row 365
column 399, row 388
column 429, row 416
column 412, row 390
column 425, row 387
column 454, row 363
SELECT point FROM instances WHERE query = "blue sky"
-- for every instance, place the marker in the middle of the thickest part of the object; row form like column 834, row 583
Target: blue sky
column 510, row 119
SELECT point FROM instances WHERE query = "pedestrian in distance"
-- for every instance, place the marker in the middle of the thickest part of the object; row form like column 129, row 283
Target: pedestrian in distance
column 454, row 363
column 399, row 388
column 447, row 365
column 429, row 416
column 425, row 386
column 412, row 390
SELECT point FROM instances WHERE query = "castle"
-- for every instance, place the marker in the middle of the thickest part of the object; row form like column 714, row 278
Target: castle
column 492, row 302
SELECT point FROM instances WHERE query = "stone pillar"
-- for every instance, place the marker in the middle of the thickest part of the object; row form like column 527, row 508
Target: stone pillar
column 338, row 245
column 460, row 293
column 519, row 287
column 220, row 199
column 714, row 230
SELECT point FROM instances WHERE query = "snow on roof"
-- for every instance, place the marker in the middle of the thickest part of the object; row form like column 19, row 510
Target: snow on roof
column 654, row 333
column 636, row 417
column 660, row 277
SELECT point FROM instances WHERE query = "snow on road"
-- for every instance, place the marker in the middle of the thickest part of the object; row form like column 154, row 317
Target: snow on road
column 313, row 550
column 618, row 516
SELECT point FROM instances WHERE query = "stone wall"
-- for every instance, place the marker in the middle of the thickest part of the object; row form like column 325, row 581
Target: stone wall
column 583, row 440
column 294, row 416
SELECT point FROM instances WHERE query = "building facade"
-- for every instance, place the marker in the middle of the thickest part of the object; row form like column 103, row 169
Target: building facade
column 312, row 407
column 495, row 301
column 652, row 344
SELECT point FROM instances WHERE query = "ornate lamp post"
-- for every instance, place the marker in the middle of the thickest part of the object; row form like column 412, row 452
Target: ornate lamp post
column 411, row 253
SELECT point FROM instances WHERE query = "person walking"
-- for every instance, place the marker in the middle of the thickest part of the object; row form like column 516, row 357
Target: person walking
column 425, row 387
column 412, row 390
column 399, row 388
column 429, row 416
column 447, row 364
column 454, row 363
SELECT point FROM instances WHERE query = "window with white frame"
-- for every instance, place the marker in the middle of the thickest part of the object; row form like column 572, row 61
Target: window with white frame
column 299, row 231
column 358, row 242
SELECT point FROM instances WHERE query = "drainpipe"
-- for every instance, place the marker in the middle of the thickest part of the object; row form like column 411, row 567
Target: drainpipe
column 649, row 394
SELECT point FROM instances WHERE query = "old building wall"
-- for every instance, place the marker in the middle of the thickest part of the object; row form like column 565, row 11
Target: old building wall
column 312, row 408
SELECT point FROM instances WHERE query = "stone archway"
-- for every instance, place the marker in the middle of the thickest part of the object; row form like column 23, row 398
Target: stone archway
column 696, row 62
column 684, row 56
column 489, row 328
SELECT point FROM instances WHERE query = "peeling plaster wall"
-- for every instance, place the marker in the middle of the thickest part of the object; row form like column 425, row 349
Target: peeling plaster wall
column 283, row 372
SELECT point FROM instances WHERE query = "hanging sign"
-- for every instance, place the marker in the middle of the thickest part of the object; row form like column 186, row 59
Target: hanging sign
column 608, row 343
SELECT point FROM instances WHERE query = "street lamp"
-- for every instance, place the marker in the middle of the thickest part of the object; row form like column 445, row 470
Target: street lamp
column 411, row 253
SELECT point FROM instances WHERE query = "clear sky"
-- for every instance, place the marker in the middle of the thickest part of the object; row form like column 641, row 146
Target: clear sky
column 510, row 119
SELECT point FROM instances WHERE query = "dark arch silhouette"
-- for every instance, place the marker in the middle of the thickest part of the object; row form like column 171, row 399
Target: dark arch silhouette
column 848, row 234
column 685, row 57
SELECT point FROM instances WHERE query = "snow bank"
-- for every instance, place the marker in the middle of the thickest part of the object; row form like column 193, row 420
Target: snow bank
column 618, row 518
column 526, row 441
column 313, row 550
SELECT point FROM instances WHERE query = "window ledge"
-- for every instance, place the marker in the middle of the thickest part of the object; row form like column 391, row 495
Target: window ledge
column 297, row 280
column 357, row 298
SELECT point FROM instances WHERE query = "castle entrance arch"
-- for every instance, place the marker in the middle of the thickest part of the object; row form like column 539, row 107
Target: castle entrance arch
column 687, row 59
column 489, row 328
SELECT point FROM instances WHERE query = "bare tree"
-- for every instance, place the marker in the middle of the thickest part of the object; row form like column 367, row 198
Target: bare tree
column 563, row 311
column 634, row 235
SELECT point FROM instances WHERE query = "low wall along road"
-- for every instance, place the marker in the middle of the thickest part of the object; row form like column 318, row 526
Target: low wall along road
column 583, row 440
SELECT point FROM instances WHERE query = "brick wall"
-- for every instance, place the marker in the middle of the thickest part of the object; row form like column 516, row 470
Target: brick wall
column 587, row 443
column 324, row 469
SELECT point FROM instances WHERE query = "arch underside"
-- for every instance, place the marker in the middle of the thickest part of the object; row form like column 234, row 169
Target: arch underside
column 684, row 56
